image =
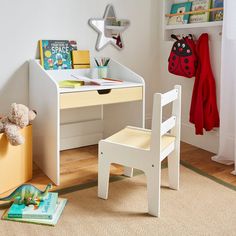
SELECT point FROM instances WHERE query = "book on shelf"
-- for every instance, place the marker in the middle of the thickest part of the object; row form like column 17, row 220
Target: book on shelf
column 103, row 82
column 198, row 5
column 56, row 54
column 70, row 83
column 55, row 217
column 217, row 15
column 44, row 210
column 179, row 8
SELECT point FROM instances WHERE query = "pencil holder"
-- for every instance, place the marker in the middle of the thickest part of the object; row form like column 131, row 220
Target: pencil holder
column 102, row 72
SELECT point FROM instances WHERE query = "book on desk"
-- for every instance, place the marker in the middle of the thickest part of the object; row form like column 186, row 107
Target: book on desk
column 56, row 54
column 70, row 83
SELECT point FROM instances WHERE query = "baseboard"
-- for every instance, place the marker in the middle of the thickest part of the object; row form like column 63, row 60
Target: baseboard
column 80, row 134
column 209, row 141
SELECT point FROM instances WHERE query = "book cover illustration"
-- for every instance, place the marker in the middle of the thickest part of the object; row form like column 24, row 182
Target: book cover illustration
column 56, row 215
column 56, row 54
column 179, row 8
column 217, row 15
column 45, row 209
column 198, row 5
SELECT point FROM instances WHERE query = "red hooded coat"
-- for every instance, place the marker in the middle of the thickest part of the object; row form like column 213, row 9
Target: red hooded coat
column 203, row 111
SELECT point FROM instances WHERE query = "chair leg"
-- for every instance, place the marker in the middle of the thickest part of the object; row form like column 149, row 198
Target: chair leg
column 173, row 170
column 103, row 177
column 153, row 191
column 128, row 171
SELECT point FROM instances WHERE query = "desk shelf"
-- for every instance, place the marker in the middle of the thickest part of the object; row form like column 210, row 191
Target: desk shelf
column 122, row 105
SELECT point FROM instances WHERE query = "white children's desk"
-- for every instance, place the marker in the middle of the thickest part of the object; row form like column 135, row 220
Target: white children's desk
column 121, row 104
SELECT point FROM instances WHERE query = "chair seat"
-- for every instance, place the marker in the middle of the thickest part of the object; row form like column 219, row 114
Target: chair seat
column 138, row 138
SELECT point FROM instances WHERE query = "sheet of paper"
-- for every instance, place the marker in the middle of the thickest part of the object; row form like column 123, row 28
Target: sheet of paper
column 97, row 81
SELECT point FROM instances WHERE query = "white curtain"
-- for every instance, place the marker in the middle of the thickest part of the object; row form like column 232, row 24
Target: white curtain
column 227, row 146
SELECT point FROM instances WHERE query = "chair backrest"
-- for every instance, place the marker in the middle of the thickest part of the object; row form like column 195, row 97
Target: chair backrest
column 172, row 124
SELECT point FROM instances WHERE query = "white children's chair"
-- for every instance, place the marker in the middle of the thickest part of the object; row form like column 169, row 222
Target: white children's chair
column 146, row 149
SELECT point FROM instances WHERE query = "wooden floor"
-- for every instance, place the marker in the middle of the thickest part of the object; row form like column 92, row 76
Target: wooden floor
column 79, row 166
column 201, row 160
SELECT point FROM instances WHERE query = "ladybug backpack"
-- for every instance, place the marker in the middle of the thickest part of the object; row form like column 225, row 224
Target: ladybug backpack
column 183, row 58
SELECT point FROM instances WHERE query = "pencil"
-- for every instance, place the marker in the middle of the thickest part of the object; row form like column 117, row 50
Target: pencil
column 113, row 79
column 107, row 61
column 96, row 61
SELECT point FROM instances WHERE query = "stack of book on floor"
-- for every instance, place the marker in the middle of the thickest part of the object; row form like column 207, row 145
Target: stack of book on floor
column 47, row 212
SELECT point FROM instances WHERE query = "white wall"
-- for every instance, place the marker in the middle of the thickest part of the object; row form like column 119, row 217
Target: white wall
column 209, row 140
column 23, row 23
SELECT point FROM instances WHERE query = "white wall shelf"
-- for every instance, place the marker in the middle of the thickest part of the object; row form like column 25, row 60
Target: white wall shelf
column 213, row 28
column 195, row 25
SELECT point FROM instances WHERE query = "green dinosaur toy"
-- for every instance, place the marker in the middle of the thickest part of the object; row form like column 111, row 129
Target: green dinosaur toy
column 27, row 194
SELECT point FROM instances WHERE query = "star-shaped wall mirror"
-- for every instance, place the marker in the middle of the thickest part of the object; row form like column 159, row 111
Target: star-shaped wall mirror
column 109, row 29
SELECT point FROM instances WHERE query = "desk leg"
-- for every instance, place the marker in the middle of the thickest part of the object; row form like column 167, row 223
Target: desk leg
column 44, row 98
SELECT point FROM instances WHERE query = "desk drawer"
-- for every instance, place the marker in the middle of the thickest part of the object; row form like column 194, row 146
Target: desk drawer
column 92, row 98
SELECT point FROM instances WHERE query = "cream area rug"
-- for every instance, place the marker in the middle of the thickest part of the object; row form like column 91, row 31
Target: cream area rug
column 200, row 207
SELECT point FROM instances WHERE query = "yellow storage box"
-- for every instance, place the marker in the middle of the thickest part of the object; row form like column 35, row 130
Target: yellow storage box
column 15, row 161
column 81, row 59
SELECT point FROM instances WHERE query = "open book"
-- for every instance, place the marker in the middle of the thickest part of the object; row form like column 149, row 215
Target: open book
column 105, row 81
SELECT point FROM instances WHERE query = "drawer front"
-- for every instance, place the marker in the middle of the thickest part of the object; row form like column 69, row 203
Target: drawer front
column 92, row 98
